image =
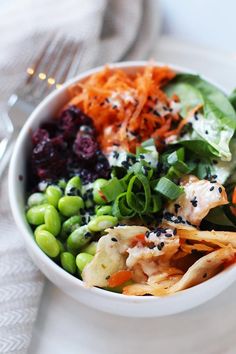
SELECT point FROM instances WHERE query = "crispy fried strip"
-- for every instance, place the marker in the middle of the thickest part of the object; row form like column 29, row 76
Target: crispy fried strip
column 205, row 268
column 197, row 247
column 219, row 238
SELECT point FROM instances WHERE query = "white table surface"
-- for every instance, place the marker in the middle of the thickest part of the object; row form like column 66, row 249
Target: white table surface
column 64, row 326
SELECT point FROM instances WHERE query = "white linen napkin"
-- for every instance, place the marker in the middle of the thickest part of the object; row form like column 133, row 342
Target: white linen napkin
column 112, row 30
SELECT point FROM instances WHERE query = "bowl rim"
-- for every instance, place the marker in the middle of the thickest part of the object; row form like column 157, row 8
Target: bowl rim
column 229, row 274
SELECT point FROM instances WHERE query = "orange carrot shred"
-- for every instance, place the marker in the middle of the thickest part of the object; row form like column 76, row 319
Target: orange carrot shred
column 124, row 106
column 119, row 278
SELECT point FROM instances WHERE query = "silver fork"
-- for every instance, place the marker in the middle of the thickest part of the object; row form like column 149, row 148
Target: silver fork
column 58, row 61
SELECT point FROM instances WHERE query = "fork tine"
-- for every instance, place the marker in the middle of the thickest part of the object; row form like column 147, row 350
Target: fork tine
column 64, row 69
column 36, row 64
column 73, row 70
column 55, row 56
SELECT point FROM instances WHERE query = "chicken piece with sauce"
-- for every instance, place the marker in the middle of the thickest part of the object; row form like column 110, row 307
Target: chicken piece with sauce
column 194, row 204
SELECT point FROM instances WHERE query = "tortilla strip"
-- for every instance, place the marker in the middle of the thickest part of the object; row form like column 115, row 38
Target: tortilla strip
column 204, row 269
column 196, row 247
column 215, row 237
column 152, row 289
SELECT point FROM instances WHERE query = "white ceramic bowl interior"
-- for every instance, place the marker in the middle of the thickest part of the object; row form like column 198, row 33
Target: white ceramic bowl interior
column 118, row 304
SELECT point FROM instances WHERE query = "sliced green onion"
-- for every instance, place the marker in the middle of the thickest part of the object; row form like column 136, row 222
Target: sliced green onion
column 132, row 200
column 112, row 189
column 168, row 188
column 176, row 156
column 156, row 203
column 120, row 209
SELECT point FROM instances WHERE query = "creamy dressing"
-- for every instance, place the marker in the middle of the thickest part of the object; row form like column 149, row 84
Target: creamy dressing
column 117, row 97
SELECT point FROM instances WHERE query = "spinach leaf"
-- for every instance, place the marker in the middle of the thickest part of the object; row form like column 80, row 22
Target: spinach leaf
column 216, row 123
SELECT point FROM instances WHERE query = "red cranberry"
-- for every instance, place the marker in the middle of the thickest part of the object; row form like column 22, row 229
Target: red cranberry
column 85, row 146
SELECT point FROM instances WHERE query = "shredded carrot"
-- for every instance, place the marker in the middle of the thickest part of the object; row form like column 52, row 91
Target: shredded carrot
column 119, row 278
column 233, row 209
column 140, row 238
column 125, row 107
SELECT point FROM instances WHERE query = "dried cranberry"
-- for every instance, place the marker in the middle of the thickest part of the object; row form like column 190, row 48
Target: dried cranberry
column 39, row 135
column 71, row 120
column 49, row 158
column 51, row 128
column 85, row 146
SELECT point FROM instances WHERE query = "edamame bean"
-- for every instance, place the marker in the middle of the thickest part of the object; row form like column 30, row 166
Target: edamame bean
column 70, row 225
column 36, row 199
column 53, row 194
column 48, row 243
column 104, row 210
column 91, row 248
column 73, row 186
column 97, row 194
column 79, row 238
column 61, row 246
column 52, row 220
column 68, row 262
column 39, row 228
column 82, row 259
column 100, row 223
column 70, row 205
column 62, row 183
column 35, row 215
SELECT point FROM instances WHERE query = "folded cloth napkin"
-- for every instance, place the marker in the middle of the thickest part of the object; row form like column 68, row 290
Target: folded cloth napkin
column 111, row 30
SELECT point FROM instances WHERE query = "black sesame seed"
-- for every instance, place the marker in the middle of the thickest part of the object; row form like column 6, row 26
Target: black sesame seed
column 156, row 113
column 151, row 246
column 215, row 162
column 142, row 156
column 177, row 206
column 206, row 131
column 160, row 246
column 194, row 202
column 114, row 239
column 204, row 275
column 195, row 116
column 174, row 231
column 108, row 277
column 212, row 188
column 115, row 154
column 220, row 190
column 168, row 235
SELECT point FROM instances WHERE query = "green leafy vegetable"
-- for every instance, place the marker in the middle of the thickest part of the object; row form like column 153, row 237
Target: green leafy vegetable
column 216, row 123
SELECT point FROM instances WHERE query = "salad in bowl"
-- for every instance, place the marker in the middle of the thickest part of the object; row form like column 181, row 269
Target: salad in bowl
column 130, row 186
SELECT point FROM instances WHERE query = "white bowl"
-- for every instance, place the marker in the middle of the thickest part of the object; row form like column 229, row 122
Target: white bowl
column 132, row 306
